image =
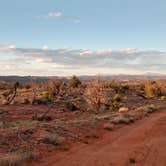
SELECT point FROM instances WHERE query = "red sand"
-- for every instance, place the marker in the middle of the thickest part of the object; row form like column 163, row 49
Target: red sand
column 144, row 141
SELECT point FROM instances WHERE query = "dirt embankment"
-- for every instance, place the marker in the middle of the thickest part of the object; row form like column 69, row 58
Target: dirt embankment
column 141, row 144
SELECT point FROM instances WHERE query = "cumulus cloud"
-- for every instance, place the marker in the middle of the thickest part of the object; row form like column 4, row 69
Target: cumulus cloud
column 63, row 16
column 77, row 61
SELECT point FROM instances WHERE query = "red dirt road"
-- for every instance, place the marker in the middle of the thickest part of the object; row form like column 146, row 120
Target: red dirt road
column 143, row 142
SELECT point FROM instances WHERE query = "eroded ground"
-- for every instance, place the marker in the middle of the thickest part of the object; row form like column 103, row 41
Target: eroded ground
column 83, row 138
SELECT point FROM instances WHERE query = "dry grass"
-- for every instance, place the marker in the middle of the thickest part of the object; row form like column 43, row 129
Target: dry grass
column 16, row 159
column 53, row 139
column 108, row 127
column 27, row 123
column 11, row 160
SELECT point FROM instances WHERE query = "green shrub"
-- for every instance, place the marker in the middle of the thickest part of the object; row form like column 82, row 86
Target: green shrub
column 132, row 160
column 74, row 82
column 116, row 105
column 69, row 105
column 123, row 88
column 117, row 98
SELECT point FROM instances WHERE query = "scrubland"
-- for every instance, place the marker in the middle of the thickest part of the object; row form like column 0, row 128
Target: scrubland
column 40, row 119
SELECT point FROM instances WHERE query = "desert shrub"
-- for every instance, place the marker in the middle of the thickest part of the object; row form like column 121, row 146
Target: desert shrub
column 116, row 102
column 132, row 160
column 97, row 96
column 11, row 94
column 23, row 100
column 58, row 87
column 117, row 98
column 5, row 125
column 163, row 98
column 53, row 88
column 44, row 101
column 11, row 160
column 6, row 93
column 69, row 105
column 123, row 88
column 53, row 139
column 92, row 135
column 28, row 86
column 28, row 155
column 148, row 108
column 116, row 105
column 16, row 159
column 162, row 86
column 50, row 88
column 74, row 82
column 26, row 101
column 5, row 85
column 48, row 98
column 115, row 86
column 2, row 84
column 151, row 89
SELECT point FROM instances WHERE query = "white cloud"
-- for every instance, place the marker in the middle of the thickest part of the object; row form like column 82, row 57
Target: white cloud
column 63, row 16
column 7, row 47
column 55, row 14
column 129, row 50
column 65, row 61
column 86, row 53
column 45, row 47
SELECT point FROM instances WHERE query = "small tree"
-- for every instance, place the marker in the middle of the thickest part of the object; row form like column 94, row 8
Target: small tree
column 13, row 93
column 74, row 82
column 97, row 96
column 54, row 88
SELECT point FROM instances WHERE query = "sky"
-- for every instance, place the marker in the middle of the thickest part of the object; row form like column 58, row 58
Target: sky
column 82, row 37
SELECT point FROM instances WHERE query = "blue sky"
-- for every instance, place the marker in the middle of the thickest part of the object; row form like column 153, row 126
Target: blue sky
column 33, row 32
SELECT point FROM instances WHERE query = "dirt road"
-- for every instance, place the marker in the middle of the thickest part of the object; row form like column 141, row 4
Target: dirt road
column 142, row 143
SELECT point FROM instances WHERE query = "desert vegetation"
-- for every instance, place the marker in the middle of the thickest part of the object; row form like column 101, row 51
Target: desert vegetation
column 38, row 118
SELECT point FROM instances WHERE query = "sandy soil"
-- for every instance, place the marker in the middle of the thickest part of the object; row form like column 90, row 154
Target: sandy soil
column 143, row 142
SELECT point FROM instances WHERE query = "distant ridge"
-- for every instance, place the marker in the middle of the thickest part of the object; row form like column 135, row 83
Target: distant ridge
column 24, row 79
column 38, row 79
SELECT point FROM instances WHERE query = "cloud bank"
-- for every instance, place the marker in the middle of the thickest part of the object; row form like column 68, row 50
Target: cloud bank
column 44, row 61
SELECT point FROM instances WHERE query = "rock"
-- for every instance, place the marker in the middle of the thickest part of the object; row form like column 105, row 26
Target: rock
column 123, row 109
column 108, row 127
column 120, row 120
column 163, row 98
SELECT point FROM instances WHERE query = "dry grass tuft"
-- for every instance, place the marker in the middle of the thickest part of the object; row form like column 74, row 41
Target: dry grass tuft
column 53, row 139
column 16, row 159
